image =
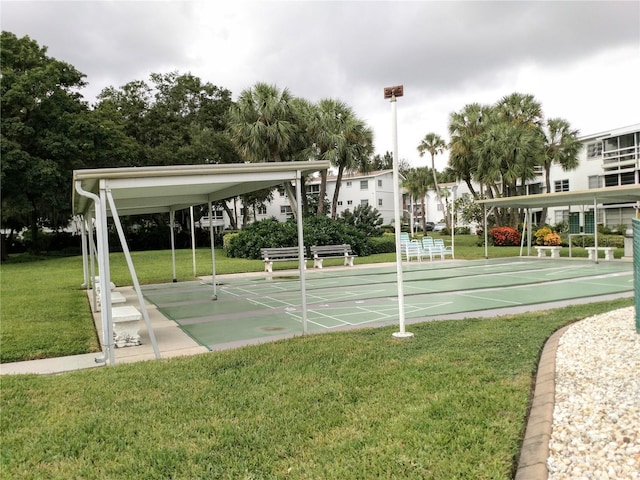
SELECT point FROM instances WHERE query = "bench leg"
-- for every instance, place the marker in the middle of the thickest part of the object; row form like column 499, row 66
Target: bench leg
column 555, row 253
column 591, row 252
column 268, row 267
column 317, row 263
column 125, row 333
column 541, row 253
column 608, row 255
column 348, row 261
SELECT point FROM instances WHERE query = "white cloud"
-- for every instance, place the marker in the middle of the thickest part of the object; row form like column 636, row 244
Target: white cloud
column 580, row 59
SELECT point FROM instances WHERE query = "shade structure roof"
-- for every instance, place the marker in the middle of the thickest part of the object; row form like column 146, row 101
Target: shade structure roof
column 143, row 190
column 608, row 195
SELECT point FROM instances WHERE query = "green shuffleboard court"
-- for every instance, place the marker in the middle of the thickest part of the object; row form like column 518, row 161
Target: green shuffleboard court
column 254, row 308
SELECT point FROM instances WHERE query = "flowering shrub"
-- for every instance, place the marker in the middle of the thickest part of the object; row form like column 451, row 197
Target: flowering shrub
column 552, row 239
column 540, row 234
column 505, row 236
column 545, row 236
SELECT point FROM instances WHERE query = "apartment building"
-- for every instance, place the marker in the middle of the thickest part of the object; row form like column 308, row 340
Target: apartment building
column 374, row 188
column 607, row 159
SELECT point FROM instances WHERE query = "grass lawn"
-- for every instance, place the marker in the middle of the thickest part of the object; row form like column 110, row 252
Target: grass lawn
column 449, row 403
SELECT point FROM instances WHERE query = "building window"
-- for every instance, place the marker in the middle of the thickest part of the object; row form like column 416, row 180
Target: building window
column 594, row 150
column 339, row 203
column 364, row 203
column 561, row 186
column 561, row 216
column 628, row 178
column 262, row 210
column 313, row 188
column 379, row 183
column 534, row 188
column 348, row 184
column 364, row 184
column 379, row 202
column 595, row 181
column 349, row 202
column 611, row 180
column 281, row 191
column 286, row 210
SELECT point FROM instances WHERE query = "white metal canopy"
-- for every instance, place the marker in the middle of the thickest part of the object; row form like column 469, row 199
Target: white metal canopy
column 112, row 192
column 140, row 190
column 622, row 194
column 619, row 195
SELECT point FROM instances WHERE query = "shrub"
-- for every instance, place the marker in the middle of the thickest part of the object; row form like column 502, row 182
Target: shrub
column 384, row 244
column 504, row 236
column 552, row 239
column 270, row 233
column 365, row 218
column 540, row 234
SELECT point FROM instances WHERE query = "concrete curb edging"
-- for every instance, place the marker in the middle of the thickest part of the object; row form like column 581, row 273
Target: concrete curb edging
column 532, row 464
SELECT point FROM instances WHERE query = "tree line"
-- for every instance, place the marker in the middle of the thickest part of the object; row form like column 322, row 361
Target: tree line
column 48, row 130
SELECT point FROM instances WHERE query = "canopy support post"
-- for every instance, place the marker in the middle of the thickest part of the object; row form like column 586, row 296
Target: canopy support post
column 134, row 276
column 213, row 252
column 301, row 252
column 193, row 241
column 172, row 222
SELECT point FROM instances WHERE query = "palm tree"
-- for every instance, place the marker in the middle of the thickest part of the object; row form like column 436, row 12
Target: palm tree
column 417, row 183
column 561, row 147
column 465, row 128
column 352, row 151
column 434, row 144
column 262, row 126
column 326, row 132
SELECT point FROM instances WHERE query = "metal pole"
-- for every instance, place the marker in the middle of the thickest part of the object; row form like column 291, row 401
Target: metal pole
column 453, row 221
column 105, row 277
column 595, row 229
column 301, row 252
column 132, row 272
column 213, row 253
column 172, row 218
column 193, row 242
column 396, row 204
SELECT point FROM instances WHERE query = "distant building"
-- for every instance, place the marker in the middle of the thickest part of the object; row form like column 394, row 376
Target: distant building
column 607, row 159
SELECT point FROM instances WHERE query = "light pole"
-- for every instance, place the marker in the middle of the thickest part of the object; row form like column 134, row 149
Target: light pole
column 454, row 189
column 391, row 93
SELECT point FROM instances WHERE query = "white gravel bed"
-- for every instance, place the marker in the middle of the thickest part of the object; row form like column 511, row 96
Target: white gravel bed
column 596, row 417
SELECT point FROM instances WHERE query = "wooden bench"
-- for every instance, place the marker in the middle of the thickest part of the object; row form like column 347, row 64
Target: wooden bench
column 126, row 323
column 542, row 251
column 280, row 254
column 332, row 251
column 608, row 252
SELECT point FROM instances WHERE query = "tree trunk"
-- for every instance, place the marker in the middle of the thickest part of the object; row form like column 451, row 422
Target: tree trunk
column 334, row 202
column 322, row 193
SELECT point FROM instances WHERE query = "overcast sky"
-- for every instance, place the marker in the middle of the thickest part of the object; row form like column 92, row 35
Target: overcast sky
column 580, row 59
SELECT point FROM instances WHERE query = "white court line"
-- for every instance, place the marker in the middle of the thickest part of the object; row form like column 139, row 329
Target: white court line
column 492, row 299
column 279, row 303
